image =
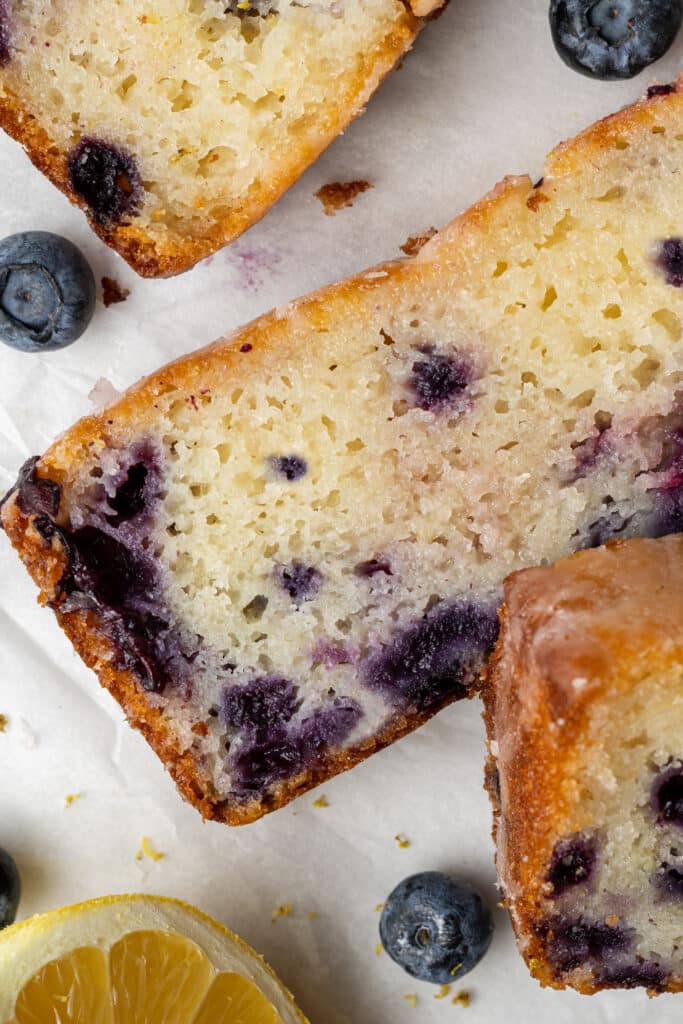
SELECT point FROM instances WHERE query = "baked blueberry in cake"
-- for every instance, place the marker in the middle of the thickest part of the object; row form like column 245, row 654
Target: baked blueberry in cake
column 175, row 127
column 286, row 551
column 584, row 708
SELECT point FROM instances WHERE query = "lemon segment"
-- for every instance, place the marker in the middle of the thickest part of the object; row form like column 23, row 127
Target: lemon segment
column 74, row 989
column 234, row 1000
column 135, row 960
column 157, row 978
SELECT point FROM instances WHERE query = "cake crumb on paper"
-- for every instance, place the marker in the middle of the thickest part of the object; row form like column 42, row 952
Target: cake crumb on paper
column 443, row 992
column 379, row 949
column 112, row 292
column 71, row 799
column 379, row 908
column 4, row 722
column 146, row 850
column 322, row 801
column 461, row 998
column 402, row 840
column 284, row 910
column 414, row 243
column 339, row 194
column 411, row 999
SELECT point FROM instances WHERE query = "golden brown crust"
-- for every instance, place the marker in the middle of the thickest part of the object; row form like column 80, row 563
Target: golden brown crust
column 153, row 257
column 591, row 626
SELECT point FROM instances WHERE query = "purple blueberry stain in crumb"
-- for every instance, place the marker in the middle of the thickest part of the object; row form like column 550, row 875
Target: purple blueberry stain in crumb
column 667, row 882
column 640, row 974
column 35, row 495
column 668, row 259
column 263, row 703
column 106, row 177
column 435, row 658
column 439, row 379
column 372, row 567
column 269, row 755
column 667, row 794
column 590, row 452
column 301, row 582
column 129, row 499
column 329, row 653
column 5, row 54
column 572, row 863
column 606, row 527
column 288, row 467
column 107, row 569
column 573, row 942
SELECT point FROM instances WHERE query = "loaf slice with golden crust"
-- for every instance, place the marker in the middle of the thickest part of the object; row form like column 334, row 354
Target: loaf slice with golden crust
column 176, row 125
column 584, row 709
column 287, row 550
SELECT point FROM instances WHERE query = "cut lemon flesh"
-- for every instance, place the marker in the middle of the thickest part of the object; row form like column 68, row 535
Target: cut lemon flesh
column 145, row 961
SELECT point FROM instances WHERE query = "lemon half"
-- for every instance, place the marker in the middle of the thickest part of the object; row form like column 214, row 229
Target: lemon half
column 135, row 960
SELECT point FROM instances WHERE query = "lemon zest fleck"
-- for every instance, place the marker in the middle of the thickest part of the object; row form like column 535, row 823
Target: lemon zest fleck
column 379, row 907
column 322, row 801
column 379, row 949
column 313, row 914
column 284, row 910
column 461, row 998
column 454, row 970
column 443, row 992
column 411, row 999
column 148, row 851
column 402, row 840
column 71, row 798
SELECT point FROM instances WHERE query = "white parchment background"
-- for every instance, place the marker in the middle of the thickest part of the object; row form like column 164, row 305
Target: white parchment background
column 482, row 95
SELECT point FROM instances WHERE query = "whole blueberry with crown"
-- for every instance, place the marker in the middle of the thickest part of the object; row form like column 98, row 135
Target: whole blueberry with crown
column 612, row 39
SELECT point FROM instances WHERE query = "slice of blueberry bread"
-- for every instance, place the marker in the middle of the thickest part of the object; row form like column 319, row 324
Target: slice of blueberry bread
column 177, row 125
column 287, row 550
column 584, row 708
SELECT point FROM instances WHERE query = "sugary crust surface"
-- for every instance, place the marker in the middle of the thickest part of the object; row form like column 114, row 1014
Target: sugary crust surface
column 177, row 253
column 267, row 342
column 589, row 628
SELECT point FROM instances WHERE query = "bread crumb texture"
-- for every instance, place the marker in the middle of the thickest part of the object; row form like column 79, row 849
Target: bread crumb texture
column 194, row 114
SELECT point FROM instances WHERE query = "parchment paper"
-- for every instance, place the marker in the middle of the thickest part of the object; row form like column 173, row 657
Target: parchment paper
column 483, row 94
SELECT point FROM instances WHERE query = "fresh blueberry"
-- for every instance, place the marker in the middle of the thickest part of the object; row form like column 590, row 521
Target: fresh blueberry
column 668, row 259
column 10, row 889
column 438, row 378
column 572, row 863
column 47, row 292
column 611, row 39
column 107, row 178
column 435, row 928
column 291, row 467
column 667, row 794
column 301, row 582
